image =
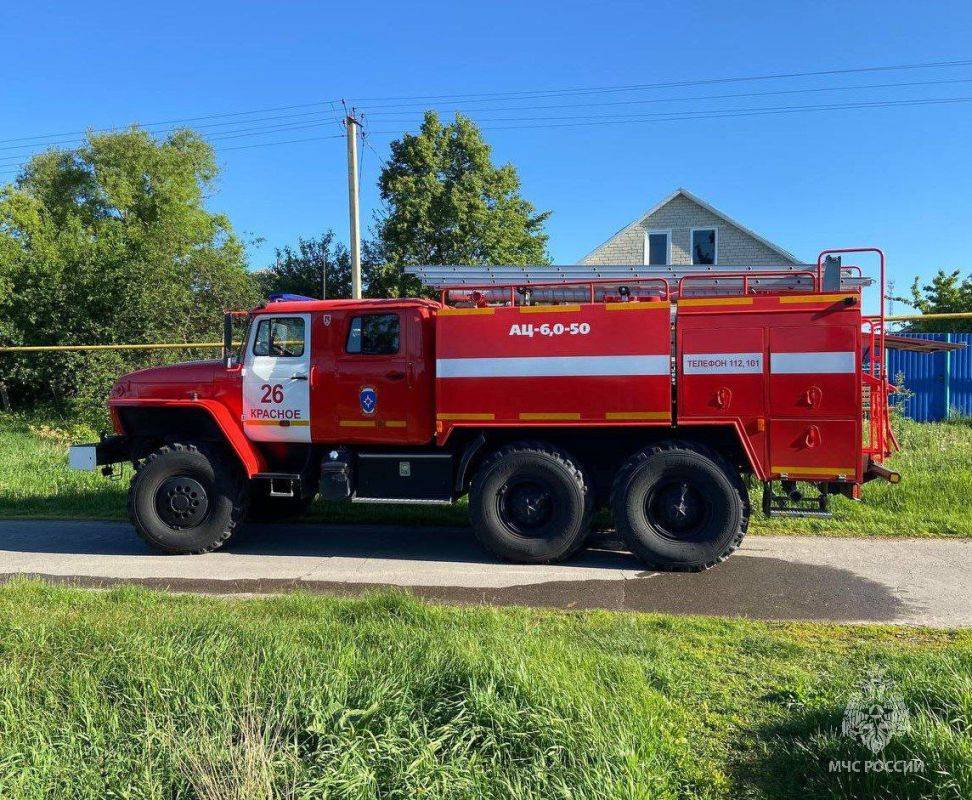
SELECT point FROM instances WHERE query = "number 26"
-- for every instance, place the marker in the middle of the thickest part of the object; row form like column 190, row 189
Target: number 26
column 272, row 394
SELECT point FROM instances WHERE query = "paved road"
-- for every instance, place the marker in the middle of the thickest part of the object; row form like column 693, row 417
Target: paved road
column 909, row 581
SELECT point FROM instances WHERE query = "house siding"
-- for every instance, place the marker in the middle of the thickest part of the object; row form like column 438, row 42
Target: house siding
column 680, row 215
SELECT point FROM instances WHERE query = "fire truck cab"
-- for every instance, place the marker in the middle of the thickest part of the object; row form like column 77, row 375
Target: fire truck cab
column 541, row 394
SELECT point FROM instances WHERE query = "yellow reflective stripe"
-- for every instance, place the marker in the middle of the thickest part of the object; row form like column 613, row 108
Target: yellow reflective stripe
column 814, row 470
column 640, row 305
column 546, row 415
column 286, row 423
column 55, row 347
column 619, row 415
column 464, row 417
column 357, row 423
column 716, row 301
column 815, row 298
column 394, row 423
column 457, row 312
column 548, row 309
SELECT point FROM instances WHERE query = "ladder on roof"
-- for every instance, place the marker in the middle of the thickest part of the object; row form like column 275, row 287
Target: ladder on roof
column 723, row 280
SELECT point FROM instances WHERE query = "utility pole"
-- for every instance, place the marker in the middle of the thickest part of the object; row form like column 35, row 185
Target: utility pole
column 352, row 125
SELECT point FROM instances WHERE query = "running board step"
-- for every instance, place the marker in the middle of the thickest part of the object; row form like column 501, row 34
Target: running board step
column 796, row 512
column 792, row 502
column 282, row 484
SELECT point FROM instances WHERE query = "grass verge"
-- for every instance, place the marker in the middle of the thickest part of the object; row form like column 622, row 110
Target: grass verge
column 134, row 693
column 932, row 500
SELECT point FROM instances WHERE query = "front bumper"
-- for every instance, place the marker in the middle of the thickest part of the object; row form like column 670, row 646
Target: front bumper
column 110, row 450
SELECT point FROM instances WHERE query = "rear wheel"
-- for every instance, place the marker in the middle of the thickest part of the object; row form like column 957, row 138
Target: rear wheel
column 186, row 500
column 680, row 506
column 530, row 503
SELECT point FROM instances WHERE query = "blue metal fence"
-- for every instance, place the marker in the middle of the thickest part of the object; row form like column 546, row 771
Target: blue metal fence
column 940, row 383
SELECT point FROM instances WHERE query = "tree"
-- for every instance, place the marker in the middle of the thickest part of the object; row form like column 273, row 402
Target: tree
column 110, row 243
column 301, row 271
column 447, row 204
column 946, row 294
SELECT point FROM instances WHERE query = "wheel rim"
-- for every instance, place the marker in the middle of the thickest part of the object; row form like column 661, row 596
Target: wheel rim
column 181, row 502
column 526, row 506
column 677, row 509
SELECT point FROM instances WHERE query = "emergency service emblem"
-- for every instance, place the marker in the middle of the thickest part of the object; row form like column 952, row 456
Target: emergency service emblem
column 368, row 398
column 875, row 712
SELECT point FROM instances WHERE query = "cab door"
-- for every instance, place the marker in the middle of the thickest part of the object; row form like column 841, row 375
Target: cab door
column 376, row 375
column 372, row 389
column 276, row 393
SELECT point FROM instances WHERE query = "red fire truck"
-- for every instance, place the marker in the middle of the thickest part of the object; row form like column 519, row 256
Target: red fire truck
column 542, row 393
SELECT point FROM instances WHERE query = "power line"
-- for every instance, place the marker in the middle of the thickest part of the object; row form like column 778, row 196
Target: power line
column 287, row 141
column 557, row 121
column 690, row 116
column 654, row 100
column 242, row 133
column 147, row 125
column 238, row 147
column 671, row 84
column 706, row 113
column 533, row 93
column 381, row 114
column 550, row 122
column 219, row 136
column 46, row 145
column 262, row 131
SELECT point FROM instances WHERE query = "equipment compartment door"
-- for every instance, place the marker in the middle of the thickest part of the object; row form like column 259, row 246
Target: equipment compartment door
column 815, row 449
column 815, row 371
column 276, row 395
column 721, row 372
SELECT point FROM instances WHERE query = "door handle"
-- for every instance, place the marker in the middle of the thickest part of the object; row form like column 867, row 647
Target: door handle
column 395, row 375
column 298, row 376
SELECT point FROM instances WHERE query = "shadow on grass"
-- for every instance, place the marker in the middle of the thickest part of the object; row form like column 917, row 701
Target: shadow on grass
column 107, row 502
column 805, row 755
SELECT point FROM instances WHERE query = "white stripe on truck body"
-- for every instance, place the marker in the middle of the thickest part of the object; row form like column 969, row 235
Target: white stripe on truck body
column 780, row 363
column 552, row 366
column 813, row 363
column 722, row 363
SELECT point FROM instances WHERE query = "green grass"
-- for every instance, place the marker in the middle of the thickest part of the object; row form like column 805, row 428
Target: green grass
column 137, row 694
column 932, row 499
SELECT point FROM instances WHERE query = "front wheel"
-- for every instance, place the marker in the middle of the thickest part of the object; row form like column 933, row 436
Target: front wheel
column 680, row 506
column 183, row 500
column 530, row 503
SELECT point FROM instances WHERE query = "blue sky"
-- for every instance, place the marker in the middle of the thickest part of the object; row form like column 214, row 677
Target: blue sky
column 897, row 177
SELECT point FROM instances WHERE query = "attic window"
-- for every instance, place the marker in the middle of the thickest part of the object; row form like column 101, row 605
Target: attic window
column 705, row 245
column 657, row 248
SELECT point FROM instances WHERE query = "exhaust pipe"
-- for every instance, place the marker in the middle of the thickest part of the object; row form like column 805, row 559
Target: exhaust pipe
column 878, row 471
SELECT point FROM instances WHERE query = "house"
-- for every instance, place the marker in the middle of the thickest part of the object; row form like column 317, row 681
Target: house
column 683, row 229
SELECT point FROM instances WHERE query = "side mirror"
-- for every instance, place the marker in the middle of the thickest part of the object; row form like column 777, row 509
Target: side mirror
column 229, row 358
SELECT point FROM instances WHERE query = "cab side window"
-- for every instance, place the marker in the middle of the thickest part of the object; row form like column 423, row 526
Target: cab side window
column 280, row 337
column 374, row 335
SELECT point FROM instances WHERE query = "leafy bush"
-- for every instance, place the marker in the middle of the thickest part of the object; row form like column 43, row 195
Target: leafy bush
column 110, row 243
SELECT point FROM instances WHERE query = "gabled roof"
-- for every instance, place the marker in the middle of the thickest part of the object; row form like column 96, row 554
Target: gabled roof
column 700, row 202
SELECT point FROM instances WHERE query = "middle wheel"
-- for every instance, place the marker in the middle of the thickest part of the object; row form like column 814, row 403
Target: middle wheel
column 530, row 503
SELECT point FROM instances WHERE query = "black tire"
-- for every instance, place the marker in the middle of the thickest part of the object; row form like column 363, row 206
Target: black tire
column 679, row 506
column 261, row 507
column 186, row 500
column 530, row 503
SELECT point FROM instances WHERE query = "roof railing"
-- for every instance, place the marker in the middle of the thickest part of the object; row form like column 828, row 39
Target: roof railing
column 552, row 284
